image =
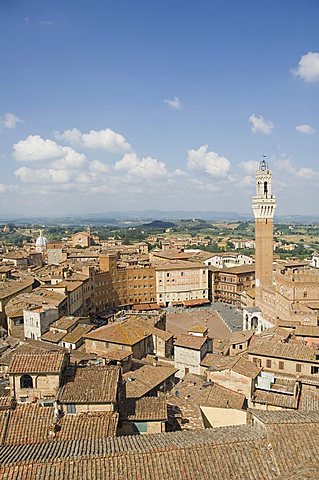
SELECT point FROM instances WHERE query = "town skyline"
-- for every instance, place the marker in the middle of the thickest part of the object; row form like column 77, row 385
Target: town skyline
column 139, row 113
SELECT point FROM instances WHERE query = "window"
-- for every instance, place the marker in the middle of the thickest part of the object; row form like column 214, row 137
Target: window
column 298, row 367
column 140, row 427
column 281, row 365
column 26, row 381
column 268, row 363
column 71, row 408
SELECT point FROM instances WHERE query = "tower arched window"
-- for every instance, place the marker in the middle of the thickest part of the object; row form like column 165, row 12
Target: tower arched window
column 266, row 188
column 26, row 381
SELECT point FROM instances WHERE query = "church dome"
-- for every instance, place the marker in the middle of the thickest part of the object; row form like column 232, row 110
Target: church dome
column 41, row 241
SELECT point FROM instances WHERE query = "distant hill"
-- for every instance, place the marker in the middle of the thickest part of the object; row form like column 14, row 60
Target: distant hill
column 158, row 224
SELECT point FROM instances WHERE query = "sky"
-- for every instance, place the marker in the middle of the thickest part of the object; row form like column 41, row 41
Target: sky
column 169, row 105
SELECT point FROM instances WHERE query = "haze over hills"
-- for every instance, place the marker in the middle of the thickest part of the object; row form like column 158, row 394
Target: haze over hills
column 135, row 217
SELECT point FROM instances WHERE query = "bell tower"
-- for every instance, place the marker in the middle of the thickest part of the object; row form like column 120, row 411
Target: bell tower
column 263, row 204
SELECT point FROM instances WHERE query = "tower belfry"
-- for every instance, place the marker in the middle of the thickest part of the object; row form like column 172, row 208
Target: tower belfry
column 263, row 204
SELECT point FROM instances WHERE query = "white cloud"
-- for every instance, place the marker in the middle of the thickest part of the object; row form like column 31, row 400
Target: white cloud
column 106, row 139
column 47, row 23
column 43, row 175
column 72, row 136
column 34, row 149
column 147, row 167
column 174, row 103
column 308, row 67
column 249, row 167
column 260, row 125
column 98, row 167
column 72, row 159
column 307, row 129
column 10, row 120
column 307, row 173
column 209, row 162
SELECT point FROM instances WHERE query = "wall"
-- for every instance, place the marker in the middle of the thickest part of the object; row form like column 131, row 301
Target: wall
column 36, row 323
column 43, row 386
column 186, row 358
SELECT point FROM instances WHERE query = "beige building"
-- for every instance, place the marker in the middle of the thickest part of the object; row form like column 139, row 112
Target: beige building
column 282, row 357
column 90, row 389
column 189, row 352
column 37, row 298
column 10, row 289
column 135, row 335
column 36, row 375
column 227, row 285
column 178, row 281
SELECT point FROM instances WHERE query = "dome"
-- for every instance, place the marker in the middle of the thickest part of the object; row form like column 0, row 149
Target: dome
column 41, row 241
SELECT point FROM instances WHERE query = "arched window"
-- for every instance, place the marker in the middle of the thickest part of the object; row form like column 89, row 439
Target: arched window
column 254, row 322
column 26, row 381
column 265, row 188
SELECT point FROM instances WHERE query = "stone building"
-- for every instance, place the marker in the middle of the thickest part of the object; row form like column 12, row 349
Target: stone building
column 189, row 352
column 36, row 375
column 10, row 289
column 228, row 284
column 179, row 281
column 37, row 320
column 90, row 389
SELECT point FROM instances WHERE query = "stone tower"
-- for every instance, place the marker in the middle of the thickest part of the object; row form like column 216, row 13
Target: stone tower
column 264, row 204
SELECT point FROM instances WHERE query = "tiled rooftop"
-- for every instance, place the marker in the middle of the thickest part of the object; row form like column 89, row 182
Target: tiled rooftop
column 90, row 385
column 190, row 341
column 44, row 362
column 241, row 452
column 141, row 381
column 278, row 349
column 145, row 408
column 32, row 423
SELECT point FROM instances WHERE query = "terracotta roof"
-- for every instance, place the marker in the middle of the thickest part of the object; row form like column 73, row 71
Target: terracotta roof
column 79, row 332
column 196, row 302
column 307, row 331
column 37, row 297
column 90, row 385
column 32, row 423
column 238, row 452
column 145, row 408
column 146, row 378
column 190, row 341
column 238, row 363
column 64, row 323
column 194, row 392
column 53, row 336
column 114, row 354
column 44, row 362
column 13, row 287
column 119, row 332
column 197, row 328
column 241, row 337
column 6, row 401
column 93, row 425
column 278, row 349
column 286, row 417
column 128, row 332
column 245, row 367
column 146, row 306
column 276, row 399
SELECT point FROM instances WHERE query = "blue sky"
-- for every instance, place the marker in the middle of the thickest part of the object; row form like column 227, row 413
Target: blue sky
column 119, row 105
